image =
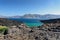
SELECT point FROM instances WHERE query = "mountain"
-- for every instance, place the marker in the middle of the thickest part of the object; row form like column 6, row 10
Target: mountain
column 3, row 16
column 34, row 16
column 41, row 17
column 16, row 16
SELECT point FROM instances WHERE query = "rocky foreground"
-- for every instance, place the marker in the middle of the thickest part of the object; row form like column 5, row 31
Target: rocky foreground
column 48, row 31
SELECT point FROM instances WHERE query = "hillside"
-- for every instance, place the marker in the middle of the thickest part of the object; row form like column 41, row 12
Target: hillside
column 51, row 20
column 48, row 31
column 52, row 25
column 7, row 22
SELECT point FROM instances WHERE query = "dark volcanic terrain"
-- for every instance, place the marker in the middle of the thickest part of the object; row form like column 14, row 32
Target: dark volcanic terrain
column 7, row 22
column 50, row 30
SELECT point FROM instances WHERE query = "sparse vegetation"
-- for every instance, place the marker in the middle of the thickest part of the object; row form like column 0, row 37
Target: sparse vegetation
column 3, row 29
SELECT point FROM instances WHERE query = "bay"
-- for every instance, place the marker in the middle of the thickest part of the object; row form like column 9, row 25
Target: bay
column 28, row 22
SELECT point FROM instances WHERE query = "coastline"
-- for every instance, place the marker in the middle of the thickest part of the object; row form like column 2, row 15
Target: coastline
column 22, row 32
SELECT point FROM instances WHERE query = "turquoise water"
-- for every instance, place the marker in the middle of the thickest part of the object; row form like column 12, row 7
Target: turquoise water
column 33, row 24
column 29, row 22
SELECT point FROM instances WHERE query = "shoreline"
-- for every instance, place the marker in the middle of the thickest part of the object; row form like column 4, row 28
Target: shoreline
column 22, row 32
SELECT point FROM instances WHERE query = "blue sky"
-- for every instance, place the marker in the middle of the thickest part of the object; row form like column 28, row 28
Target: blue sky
column 21, row 7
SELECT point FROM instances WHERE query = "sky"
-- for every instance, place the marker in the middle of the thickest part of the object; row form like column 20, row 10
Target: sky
column 21, row 7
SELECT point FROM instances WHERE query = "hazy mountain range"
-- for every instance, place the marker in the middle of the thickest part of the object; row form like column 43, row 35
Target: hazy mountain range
column 35, row 16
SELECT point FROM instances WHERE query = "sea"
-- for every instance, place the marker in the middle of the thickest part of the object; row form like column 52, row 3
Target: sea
column 28, row 22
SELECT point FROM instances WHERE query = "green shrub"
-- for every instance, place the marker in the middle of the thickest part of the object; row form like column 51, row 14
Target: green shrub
column 3, row 29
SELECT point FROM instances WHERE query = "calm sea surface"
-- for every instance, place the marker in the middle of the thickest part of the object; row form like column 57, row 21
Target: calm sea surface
column 29, row 22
